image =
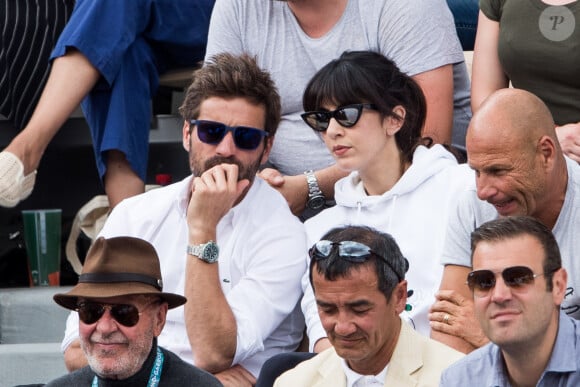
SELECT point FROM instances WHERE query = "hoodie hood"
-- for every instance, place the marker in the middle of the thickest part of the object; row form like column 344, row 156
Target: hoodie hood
column 427, row 162
column 414, row 211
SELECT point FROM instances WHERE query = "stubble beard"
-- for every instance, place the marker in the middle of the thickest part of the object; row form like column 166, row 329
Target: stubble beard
column 198, row 167
column 123, row 365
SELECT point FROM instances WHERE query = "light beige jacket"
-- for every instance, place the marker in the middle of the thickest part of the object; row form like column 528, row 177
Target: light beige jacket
column 416, row 362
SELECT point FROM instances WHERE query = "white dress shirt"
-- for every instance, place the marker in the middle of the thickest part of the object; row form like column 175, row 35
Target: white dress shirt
column 354, row 379
column 261, row 262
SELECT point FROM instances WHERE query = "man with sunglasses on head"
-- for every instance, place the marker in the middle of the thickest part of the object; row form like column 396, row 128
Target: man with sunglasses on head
column 122, row 310
column 518, row 284
column 226, row 239
column 358, row 277
column 520, row 170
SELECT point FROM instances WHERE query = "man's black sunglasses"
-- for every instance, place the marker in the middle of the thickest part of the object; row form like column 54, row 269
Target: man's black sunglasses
column 124, row 314
column 212, row 132
column 346, row 116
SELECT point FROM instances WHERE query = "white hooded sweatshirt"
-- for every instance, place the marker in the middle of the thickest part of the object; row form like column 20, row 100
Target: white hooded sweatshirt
column 414, row 212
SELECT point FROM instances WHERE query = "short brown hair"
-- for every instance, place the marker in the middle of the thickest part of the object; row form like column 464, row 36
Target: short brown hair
column 510, row 227
column 228, row 76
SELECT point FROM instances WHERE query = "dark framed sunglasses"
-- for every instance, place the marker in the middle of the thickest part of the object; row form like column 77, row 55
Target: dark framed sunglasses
column 349, row 250
column 480, row 282
column 125, row 314
column 346, row 116
column 213, row 132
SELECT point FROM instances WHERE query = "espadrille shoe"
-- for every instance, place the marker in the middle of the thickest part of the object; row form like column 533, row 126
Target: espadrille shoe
column 14, row 186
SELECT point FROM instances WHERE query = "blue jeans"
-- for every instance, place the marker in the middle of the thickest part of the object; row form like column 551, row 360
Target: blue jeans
column 465, row 13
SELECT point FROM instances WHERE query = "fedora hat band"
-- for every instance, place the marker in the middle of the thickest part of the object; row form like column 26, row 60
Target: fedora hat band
column 121, row 277
column 117, row 267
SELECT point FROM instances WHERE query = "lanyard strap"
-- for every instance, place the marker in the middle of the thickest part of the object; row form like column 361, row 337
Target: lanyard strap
column 155, row 371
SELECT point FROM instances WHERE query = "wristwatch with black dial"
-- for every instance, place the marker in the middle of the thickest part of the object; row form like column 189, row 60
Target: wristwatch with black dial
column 207, row 252
column 316, row 199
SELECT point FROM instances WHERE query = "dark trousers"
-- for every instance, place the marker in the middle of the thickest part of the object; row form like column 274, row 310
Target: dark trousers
column 465, row 14
column 278, row 364
column 29, row 30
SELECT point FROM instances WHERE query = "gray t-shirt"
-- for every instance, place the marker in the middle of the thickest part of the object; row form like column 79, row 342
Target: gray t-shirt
column 472, row 212
column 417, row 35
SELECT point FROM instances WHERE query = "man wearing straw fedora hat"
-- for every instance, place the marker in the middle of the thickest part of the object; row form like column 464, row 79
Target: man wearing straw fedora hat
column 122, row 310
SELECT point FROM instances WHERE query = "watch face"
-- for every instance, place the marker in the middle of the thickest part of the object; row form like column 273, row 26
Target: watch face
column 316, row 202
column 210, row 252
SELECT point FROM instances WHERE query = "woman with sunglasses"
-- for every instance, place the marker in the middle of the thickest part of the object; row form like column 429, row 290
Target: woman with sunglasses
column 370, row 116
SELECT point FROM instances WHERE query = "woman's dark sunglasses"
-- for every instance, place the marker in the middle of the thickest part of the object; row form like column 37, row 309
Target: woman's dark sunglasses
column 346, row 116
column 349, row 250
column 212, row 132
column 480, row 282
column 124, row 314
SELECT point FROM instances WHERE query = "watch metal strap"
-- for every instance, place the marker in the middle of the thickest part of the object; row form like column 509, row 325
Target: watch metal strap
column 313, row 187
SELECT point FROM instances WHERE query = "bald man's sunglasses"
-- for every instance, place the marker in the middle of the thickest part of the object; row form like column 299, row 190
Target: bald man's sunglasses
column 212, row 132
column 125, row 314
column 481, row 282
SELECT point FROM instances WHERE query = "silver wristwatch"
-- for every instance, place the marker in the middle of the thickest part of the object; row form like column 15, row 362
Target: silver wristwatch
column 207, row 252
column 316, row 199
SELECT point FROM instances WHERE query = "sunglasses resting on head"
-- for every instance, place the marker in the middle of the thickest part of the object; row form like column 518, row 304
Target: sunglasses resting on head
column 213, row 132
column 481, row 282
column 347, row 116
column 349, row 250
column 354, row 252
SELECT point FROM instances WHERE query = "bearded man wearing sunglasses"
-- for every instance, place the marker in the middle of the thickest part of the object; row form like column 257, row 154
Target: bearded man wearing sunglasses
column 358, row 277
column 518, row 284
column 122, row 311
column 520, row 170
column 225, row 238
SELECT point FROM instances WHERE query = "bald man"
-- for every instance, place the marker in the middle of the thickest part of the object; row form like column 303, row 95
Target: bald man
column 520, row 170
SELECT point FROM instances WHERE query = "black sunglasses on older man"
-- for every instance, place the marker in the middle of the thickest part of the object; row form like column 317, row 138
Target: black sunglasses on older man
column 125, row 314
column 346, row 116
column 212, row 132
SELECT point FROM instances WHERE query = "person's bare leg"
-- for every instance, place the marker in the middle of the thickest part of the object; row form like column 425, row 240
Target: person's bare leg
column 120, row 180
column 71, row 77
